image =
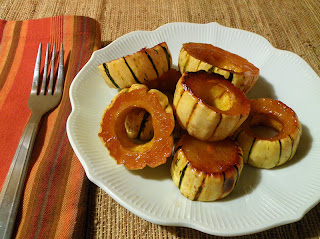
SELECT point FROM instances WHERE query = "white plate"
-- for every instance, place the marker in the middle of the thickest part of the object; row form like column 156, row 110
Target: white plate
column 262, row 199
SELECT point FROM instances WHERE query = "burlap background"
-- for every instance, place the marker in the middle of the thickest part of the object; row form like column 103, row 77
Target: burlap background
column 292, row 25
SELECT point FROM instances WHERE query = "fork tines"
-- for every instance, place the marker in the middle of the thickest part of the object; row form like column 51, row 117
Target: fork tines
column 48, row 87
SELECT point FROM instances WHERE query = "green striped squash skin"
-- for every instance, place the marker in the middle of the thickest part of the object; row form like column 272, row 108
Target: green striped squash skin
column 138, row 124
column 269, row 152
column 192, row 64
column 143, row 66
column 265, row 153
column 199, row 119
column 198, row 185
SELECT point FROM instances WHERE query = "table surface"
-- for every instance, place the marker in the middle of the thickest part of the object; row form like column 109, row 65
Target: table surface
column 292, row 25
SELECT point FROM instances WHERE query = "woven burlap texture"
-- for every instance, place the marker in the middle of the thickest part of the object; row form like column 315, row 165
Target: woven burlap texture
column 292, row 25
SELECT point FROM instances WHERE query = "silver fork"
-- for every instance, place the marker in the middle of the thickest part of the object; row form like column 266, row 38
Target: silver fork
column 43, row 98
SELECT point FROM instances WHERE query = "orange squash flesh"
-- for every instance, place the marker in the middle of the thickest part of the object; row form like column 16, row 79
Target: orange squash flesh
column 205, row 87
column 166, row 82
column 273, row 114
column 208, row 106
column 210, row 157
column 220, row 58
column 114, row 135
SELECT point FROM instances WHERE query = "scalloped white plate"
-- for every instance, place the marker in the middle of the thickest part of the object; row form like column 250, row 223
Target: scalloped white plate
column 262, row 199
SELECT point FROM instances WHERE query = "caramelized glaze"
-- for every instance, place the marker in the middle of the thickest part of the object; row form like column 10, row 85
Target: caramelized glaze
column 115, row 138
column 166, row 82
column 273, row 114
column 216, row 92
column 220, row 58
column 210, row 157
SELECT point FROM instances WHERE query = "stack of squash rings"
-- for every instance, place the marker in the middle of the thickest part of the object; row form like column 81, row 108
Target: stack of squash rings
column 206, row 100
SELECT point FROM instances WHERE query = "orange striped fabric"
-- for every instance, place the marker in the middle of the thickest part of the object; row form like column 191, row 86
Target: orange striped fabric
column 55, row 197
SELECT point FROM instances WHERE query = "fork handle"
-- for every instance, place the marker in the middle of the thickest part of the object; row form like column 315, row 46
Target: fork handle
column 14, row 184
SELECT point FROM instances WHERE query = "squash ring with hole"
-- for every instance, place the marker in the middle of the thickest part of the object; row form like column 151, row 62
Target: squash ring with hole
column 208, row 106
column 204, row 170
column 114, row 136
column 200, row 56
column 265, row 151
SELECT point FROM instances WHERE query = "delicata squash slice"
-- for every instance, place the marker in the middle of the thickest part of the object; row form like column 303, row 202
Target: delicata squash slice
column 260, row 149
column 143, row 66
column 114, row 136
column 201, row 56
column 206, row 171
column 208, row 106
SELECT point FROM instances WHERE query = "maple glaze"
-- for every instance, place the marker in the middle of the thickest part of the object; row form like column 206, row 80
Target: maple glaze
column 216, row 92
column 220, row 58
column 210, row 157
column 274, row 114
column 166, row 82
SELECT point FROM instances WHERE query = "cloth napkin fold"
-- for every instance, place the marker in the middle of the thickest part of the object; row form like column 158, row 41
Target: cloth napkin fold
column 55, row 197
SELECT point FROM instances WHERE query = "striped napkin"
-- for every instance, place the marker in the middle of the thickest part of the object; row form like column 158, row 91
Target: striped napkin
column 55, row 197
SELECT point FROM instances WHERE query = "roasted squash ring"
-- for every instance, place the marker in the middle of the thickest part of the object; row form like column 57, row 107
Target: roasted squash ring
column 114, row 136
column 206, row 171
column 145, row 65
column 201, row 56
column 264, row 151
column 208, row 106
